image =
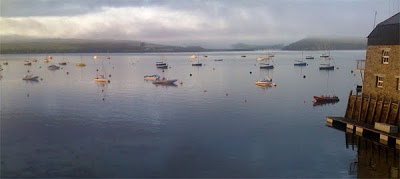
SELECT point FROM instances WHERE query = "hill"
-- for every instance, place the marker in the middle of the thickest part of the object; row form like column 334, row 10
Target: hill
column 328, row 44
column 37, row 45
column 256, row 47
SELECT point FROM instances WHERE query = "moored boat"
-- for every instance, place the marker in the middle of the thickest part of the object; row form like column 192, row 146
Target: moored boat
column 164, row 82
column 327, row 67
column 101, row 79
column 264, row 82
column 197, row 64
column 62, row 63
column 30, row 78
column 53, row 67
column 309, row 57
column 266, row 66
column 326, row 99
column 27, row 62
column 218, row 60
column 152, row 77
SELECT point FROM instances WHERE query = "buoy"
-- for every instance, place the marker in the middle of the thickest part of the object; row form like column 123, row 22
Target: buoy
column 104, row 99
column 109, row 81
column 27, row 95
column 41, row 78
column 28, row 71
column 113, row 67
column 67, row 73
column 213, row 68
column 40, row 66
column 205, row 91
column 354, row 74
column 304, row 101
column 245, row 100
column 190, row 74
column 162, row 70
column 304, row 76
column 102, row 90
column 226, row 94
column 109, row 75
column 351, row 71
column 181, row 82
column 251, row 72
column 274, row 84
column 97, row 69
column 337, row 68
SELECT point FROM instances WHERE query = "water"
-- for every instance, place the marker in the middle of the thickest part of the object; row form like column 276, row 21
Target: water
column 216, row 124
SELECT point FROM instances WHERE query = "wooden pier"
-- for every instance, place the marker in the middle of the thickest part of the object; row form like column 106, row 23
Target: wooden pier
column 362, row 129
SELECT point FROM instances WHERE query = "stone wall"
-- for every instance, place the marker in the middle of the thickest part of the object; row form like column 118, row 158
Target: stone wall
column 390, row 72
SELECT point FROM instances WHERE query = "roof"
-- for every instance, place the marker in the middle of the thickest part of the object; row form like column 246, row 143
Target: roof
column 386, row 32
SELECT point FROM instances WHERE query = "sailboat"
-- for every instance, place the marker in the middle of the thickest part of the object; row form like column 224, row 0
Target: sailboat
column 327, row 66
column 47, row 59
column 63, row 61
column 324, row 55
column 300, row 62
column 264, row 82
column 198, row 61
column 162, row 64
column 81, row 64
column 266, row 65
column 101, row 78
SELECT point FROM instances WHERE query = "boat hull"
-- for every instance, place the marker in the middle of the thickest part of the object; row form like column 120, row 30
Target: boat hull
column 326, row 99
column 300, row 64
column 327, row 68
column 164, row 82
column 197, row 64
column 267, row 67
column 80, row 65
column 162, row 67
column 101, row 80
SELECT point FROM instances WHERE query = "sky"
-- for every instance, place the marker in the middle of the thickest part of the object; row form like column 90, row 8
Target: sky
column 208, row 23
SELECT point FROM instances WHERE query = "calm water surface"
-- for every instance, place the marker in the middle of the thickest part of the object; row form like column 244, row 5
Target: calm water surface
column 216, row 124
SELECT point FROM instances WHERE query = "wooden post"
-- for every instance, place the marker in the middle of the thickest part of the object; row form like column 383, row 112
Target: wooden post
column 388, row 113
column 366, row 112
column 373, row 110
column 382, row 106
column 353, row 107
column 361, row 107
column 397, row 114
column 348, row 104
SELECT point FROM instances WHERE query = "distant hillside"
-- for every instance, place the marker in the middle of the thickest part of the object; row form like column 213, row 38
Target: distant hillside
column 329, row 43
column 256, row 47
column 32, row 45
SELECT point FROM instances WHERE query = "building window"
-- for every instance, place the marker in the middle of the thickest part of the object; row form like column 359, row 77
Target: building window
column 379, row 81
column 385, row 56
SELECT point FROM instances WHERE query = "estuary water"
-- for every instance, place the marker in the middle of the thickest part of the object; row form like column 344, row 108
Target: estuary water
column 217, row 123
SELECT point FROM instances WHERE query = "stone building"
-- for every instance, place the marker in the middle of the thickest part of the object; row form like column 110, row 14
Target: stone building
column 382, row 65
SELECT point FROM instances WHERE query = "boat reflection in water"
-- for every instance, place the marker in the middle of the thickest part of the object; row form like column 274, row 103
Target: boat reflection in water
column 321, row 103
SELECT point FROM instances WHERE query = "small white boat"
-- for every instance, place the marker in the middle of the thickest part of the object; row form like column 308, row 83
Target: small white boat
column 53, row 67
column 152, row 77
column 264, row 82
column 30, row 77
column 34, row 60
column 101, row 79
column 46, row 60
column 164, row 81
column 263, row 58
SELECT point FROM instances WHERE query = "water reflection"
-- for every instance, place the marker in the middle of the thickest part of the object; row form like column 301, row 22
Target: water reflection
column 373, row 160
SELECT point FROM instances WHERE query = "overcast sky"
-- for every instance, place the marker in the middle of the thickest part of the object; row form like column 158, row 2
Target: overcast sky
column 209, row 23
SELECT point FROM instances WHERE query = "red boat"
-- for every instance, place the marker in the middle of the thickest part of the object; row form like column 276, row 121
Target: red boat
column 326, row 99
